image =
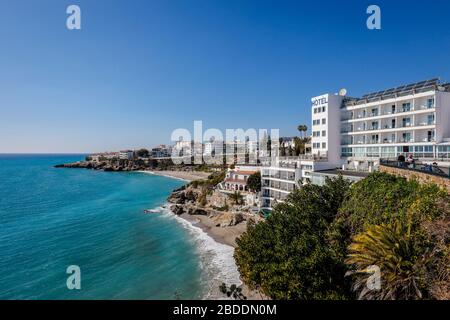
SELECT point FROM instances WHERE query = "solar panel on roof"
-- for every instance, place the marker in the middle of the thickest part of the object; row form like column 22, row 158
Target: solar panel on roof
column 408, row 87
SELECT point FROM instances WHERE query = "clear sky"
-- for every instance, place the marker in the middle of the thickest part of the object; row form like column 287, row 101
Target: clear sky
column 139, row 69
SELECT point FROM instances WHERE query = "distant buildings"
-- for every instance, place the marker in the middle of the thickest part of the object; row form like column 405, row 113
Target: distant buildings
column 161, row 151
column 236, row 179
column 126, row 154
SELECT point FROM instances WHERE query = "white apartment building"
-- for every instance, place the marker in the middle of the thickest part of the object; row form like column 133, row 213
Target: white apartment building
column 411, row 119
column 353, row 134
column 161, row 151
column 282, row 175
column 126, row 154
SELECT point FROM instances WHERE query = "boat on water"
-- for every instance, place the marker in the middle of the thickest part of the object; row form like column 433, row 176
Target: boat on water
column 148, row 211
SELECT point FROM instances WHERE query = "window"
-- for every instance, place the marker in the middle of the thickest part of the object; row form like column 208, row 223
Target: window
column 406, row 107
column 324, row 121
column 315, row 110
column 406, row 137
column 430, row 103
column 324, row 133
column 373, row 152
column 406, row 122
column 324, row 145
column 374, row 112
column 323, row 109
column 346, row 152
column 430, row 119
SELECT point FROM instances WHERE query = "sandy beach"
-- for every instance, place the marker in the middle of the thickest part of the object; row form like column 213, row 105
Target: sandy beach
column 182, row 175
column 225, row 235
column 228, row 236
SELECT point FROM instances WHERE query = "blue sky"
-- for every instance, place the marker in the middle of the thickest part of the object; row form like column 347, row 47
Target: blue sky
column 140, row 69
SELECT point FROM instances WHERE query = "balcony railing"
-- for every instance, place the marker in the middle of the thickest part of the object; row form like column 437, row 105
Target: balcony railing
column 386, row 112
column 418, row 166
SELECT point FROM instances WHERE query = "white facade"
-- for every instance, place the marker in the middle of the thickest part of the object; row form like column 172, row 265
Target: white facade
column 161, row 151
column 325, row 129
column 283, row 175
column 126, row 155
column 415, row 121
column 355, row 133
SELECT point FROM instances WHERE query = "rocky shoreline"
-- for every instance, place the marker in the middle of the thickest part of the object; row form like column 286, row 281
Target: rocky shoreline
column 119, row 165
column 184, row 201
column 224, row 226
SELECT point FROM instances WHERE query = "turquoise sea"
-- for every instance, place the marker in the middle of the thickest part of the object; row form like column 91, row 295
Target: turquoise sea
column 53, row 218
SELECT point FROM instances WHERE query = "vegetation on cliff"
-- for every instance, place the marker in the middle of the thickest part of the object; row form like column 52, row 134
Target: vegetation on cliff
column 322, row 242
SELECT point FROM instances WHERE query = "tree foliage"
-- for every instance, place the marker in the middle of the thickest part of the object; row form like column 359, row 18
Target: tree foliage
column 320, row 233
column 254, row 182
column 288, row 256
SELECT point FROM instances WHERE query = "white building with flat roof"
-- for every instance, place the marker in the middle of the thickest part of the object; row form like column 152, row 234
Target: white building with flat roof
column 126, row 154
column 353, row 134
column 412, row 119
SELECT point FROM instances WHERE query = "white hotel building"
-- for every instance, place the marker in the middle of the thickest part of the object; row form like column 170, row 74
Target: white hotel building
column 353, row 134
column 411, row 119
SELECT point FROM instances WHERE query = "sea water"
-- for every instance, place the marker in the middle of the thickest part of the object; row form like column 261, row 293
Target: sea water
column 52, row 218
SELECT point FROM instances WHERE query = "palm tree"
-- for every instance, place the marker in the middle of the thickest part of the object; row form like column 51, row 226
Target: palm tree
column 302, row 128
column 236, row 197
column 392, row 250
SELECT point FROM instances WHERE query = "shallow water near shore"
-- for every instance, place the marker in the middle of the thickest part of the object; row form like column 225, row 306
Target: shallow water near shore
column 53, row 218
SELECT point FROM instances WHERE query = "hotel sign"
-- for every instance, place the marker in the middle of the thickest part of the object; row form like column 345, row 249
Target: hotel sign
column 319, row 101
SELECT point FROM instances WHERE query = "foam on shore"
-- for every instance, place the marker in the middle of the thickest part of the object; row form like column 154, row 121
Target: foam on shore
column 216, row 259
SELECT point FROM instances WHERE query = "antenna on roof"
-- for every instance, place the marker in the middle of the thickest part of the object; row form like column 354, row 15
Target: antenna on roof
column 343, row 92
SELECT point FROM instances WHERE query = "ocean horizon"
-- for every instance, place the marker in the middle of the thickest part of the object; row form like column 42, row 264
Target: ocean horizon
column 54, row 218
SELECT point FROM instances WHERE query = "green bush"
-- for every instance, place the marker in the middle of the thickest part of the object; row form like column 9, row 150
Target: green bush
column 288, row 256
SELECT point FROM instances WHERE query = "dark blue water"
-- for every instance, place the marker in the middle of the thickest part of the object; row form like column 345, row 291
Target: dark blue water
column 53, row 218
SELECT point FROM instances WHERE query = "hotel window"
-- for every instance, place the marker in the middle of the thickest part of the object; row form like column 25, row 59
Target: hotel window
column 374, row 112
column 315, row 110
column 430, row 103
column 406, row 137
column 406, row 122
column 444, row 152
column 324, row 121
column 388, row 152
column 406, row 107
column 323, row 109
column 374, row 138
column 346, row 152
column 430, row 119
column 324, row 145
column 324, row 133
column 374, row 125
column 373, row 152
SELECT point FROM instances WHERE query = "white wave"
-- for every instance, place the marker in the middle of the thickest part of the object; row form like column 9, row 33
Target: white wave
column 217, row 261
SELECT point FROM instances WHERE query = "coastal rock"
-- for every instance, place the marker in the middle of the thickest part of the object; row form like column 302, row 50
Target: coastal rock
column 197, row 211
column 190, row 196
column 177, row 197
column 178, row 210
column 229, row 219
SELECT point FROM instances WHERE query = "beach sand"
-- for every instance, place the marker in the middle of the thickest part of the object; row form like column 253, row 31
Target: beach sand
column 222, row 235
column 182, row 175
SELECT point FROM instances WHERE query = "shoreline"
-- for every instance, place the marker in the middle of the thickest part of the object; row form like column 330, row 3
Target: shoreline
column 221, row 235
column 187, row 176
